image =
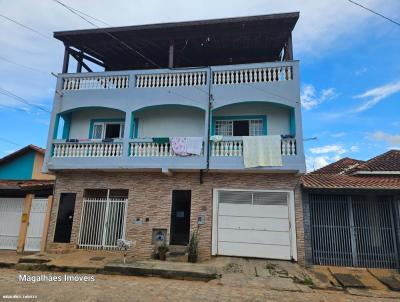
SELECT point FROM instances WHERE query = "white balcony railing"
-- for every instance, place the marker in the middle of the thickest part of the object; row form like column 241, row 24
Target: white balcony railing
column 96, row 82
column 234, row 147
column 92, row 149
column 175, row 79
column 142, row 149
column 253, row 75
column 220, row 75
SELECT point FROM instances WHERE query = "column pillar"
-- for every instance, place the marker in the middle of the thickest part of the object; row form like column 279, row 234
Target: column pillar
column 128, row 132
column 45, row 232
column 23, row 229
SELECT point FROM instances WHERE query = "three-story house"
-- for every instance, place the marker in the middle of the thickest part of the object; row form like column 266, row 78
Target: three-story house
column 188, row 127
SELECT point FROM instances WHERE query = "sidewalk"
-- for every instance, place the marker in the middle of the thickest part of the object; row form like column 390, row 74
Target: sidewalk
column 223, row 271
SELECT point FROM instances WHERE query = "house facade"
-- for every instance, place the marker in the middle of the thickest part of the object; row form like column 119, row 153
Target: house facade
column 351, row 213
column 25, row 200
column 191, row 126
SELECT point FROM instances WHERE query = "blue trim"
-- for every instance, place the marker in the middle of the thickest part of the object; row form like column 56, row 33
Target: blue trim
column 91, row 107
column 240, row 118
column 134, row 129
column 239, row 102
column 292, row 122
column 56, row 123
column 102, row 120
column 67, row 125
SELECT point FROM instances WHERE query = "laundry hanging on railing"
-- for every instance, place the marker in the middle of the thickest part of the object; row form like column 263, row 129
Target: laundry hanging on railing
column 161, row 140
column 262, row 151
column 184, row 146
column 216, row 138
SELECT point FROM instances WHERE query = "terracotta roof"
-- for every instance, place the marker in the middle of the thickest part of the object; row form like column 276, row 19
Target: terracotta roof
column 25, row 184
column 21, row 152
column 342, row 166
column 343, row 174
column 329, row 181
column 389, row 161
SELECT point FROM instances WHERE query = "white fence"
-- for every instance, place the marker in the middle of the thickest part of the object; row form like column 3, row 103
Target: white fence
column 102, row 223
column 175, row 79
column 96, row 82
column 36, row 224
column 10, row 218
column 141, row 149
column 234, row 147
column 253, row 75
column 87, row 149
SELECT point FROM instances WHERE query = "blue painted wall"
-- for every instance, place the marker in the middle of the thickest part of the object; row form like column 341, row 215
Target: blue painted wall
column 19, row 168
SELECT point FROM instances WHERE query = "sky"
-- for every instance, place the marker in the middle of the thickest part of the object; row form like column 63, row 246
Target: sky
column 349, row 65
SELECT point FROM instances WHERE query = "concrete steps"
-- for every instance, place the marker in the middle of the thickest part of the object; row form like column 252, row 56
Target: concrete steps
column 177, row 253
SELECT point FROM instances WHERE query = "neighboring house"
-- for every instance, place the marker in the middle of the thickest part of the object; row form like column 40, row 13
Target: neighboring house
column 351, row 212
column 25, row 200
column 225, row 91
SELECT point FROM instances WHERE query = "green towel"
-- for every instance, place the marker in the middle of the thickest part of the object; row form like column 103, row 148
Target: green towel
column 161, row 140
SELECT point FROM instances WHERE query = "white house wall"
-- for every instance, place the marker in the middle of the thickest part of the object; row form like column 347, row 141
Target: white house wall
column 170, row 121
column 80, row 120
column 278, row 117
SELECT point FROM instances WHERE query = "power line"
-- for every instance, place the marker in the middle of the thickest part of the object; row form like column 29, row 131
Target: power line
column 21, row 100
column 13, row 108
column 23, row 66
column 25, row 26
column 374, row 12
column 10, row 142
column 75, row 12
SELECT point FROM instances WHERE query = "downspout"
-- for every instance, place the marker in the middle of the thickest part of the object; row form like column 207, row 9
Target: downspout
column 210, row 99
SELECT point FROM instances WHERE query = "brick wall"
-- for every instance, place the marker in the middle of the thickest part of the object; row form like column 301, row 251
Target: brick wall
column 150, row 196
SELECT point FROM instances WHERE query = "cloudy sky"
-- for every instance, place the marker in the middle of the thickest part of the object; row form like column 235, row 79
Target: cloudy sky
column 350, row 65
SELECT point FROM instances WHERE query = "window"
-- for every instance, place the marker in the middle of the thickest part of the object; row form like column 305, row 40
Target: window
column 102, row 130
column 240, row 127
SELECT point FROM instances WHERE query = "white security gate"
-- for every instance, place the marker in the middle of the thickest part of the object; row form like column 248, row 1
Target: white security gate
column 11, row 210
column 102, row 222
column 36, row 224
column 254, row 224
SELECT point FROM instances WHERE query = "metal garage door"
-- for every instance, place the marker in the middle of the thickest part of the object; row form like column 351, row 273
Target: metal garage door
column 355, row 230
column 10, row 218
column 36, row 224
column 253, row 224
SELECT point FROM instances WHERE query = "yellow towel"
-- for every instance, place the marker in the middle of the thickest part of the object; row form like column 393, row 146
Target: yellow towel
column 262, row 151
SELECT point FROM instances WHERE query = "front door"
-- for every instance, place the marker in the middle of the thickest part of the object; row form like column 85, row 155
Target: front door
column 180, row 217
column 65, row 217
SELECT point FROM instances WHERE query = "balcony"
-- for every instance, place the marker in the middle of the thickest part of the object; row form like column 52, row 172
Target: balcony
column 276, row 81
column 227, row 154
column 149, row 104
column 144, row 153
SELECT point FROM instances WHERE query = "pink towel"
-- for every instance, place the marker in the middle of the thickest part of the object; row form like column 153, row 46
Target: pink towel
column 179, row 146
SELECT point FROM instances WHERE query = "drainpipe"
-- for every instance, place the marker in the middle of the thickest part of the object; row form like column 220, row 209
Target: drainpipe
column 210, row 99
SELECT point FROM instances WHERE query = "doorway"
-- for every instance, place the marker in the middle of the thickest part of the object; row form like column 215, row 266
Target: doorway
column 180, row 217
column 65, row 218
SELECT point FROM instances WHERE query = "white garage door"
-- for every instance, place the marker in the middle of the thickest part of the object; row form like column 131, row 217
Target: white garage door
column 253, row 224
column 10, row 219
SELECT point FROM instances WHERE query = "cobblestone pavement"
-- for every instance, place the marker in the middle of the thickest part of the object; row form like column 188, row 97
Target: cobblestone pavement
column 127, row 288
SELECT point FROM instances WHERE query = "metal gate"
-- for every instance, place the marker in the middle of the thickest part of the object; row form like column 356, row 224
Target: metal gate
column 356, row 230
column 102, row 222
column 10, row 219
column 36, row 224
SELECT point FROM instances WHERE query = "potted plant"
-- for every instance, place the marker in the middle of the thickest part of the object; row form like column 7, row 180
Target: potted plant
column 162, row 251
column 193, row 246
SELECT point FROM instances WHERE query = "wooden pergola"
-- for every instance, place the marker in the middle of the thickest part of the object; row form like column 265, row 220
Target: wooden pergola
column 264, row 38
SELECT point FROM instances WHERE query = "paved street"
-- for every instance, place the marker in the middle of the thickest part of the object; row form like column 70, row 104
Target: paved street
column 124, row 288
